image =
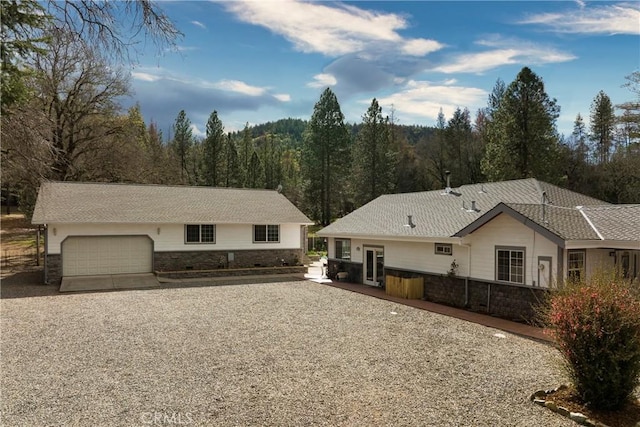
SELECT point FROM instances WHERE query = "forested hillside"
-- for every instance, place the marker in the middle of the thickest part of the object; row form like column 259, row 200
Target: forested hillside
column 61, row 120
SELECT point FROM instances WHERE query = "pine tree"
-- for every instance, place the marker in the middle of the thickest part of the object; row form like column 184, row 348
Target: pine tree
column 213, row 151
column 182, row 141
column 603, row 122
column 244, row 155
column 373, row 160
column 522, row 137
column 325, row 158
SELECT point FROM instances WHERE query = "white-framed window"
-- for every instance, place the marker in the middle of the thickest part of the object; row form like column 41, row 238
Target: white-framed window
column 200, row 233
column 575, row 264
column 510, row 264
column 444, row 249
column 266, row 233
column 343, row 249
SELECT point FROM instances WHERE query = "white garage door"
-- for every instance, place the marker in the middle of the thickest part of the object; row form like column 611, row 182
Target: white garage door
column 88, row 256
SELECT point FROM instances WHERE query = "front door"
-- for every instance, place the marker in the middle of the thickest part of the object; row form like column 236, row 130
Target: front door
column 544, row 271
column 373, row 266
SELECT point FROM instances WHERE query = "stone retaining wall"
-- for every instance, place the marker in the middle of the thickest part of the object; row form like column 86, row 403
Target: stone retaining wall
column 213, row 260
column 498, row 299
column 192, row 274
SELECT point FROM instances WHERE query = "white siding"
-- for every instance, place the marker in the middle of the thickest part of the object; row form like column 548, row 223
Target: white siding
column 416, row 256
column 506, row 231
column 171, row 236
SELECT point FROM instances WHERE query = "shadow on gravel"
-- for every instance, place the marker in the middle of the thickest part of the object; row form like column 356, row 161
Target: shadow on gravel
column 25, row 284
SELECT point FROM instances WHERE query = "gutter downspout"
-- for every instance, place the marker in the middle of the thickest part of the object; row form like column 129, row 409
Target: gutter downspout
column 466, row 279
column 46, row 252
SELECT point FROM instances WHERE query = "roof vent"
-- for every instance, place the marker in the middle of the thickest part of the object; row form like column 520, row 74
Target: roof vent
column 447, row 190
column 410, row 223
column 481, row 189
column 473, row 207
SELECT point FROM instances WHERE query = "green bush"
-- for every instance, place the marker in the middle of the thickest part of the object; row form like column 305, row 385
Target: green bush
column 596, row 326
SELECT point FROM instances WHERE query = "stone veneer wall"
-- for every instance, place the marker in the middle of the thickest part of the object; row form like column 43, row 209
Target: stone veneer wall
column 211, row 260
column 53, row 273
column 503, row 300
column 353, row 268
column 200, row 260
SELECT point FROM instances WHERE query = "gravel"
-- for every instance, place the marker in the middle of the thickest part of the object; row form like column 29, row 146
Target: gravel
column 294, row 353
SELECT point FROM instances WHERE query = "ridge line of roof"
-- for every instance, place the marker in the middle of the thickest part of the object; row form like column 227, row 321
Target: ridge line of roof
column 133, row 184
column 584, row 214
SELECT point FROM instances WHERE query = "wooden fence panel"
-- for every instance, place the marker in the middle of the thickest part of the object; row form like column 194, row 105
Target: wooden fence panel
column 409, row 288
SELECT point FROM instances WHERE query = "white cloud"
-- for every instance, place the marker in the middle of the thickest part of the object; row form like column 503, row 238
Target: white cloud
column 240, row 87
column 197, row 132
column 284, row 97
column 423, row 99
column 323, row 80
column 420, row 47
column 146, row 77
column 503, row 52
column 330, row 30
column 622, row 18
column 199, row 24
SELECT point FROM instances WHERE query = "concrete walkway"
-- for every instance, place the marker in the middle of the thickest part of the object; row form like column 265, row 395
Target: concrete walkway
column 108, row 282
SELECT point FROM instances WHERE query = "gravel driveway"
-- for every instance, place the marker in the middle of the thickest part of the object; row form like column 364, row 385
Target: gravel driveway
column 295, row 353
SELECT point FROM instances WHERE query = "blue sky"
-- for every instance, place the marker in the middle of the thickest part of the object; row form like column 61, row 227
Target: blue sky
column 261, row 61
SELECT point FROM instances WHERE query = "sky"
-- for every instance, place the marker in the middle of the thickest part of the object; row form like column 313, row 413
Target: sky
column 260, row 61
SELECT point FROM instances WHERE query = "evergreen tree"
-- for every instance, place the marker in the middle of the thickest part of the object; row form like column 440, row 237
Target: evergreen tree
column 522, row 137
column 255, row 173
column 437, row 152
column 182, row 141
column 213, row 145
column 373, row 161
column 21, row 22
column 325, row 158
column 461, row 161
column 603, row 122
column 244, row 155
column 232, row 176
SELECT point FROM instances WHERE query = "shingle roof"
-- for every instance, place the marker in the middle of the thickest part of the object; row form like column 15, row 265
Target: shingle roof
column 564, row 222
column 437, row 214
column 73, row 202
column 615, row 222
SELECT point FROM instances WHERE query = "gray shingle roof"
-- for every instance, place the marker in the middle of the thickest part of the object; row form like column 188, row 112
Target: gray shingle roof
column 437, row 214
column 567, row 223
column 615, row 222
column 73, row 202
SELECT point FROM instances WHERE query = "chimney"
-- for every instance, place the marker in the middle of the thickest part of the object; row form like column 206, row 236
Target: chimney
column 473, row 205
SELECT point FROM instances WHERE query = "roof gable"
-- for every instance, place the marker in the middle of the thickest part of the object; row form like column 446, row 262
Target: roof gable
column 73, row 202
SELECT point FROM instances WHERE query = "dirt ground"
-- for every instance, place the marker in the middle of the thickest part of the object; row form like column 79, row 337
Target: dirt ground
column 20, row 273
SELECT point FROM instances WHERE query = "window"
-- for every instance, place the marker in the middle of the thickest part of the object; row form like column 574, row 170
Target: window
column 510, row 265
column 575, row 265
column 444, row 249
column 200, row 233
column 343, row 249
column 266, row 233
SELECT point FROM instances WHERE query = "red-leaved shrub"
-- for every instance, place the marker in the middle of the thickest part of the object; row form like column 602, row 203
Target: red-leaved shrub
column 596, row 326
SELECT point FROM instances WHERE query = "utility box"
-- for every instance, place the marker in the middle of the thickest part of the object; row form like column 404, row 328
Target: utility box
column 409, row 288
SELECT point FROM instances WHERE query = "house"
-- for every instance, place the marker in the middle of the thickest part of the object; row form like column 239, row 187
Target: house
column 97, row 228
column 494, row 247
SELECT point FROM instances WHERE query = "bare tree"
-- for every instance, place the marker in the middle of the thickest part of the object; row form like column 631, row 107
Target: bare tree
column 78, row 92
column 115, row 27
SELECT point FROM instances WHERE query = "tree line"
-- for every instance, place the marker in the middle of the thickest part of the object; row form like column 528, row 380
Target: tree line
column 62, row 121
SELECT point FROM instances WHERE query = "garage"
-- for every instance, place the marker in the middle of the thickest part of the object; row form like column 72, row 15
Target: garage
column 96, row 255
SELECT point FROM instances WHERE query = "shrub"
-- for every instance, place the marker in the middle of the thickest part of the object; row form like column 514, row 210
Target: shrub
column 596, row 326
